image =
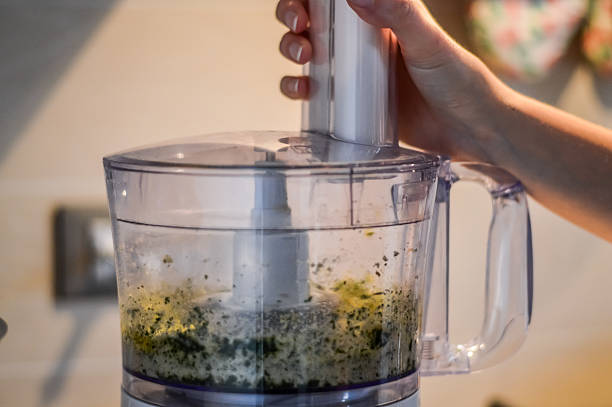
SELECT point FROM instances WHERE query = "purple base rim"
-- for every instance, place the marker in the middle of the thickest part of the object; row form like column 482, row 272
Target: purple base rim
column 279, row 392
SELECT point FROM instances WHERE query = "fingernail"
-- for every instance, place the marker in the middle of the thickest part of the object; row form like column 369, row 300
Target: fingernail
column 295, row 86
column 291, row 19
column 362, row 3
column 291, row 86
column 295, row 50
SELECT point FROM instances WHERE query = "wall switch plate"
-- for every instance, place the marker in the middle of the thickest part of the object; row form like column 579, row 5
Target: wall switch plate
column 3, row 328
column 84, row 257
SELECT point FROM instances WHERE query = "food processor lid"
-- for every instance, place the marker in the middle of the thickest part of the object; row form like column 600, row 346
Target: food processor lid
column 266, row 150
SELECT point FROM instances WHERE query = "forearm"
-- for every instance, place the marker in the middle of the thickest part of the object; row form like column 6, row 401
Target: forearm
column 564, row 162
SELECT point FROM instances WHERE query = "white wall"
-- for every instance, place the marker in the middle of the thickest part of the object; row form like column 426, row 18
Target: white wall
column 80, row 79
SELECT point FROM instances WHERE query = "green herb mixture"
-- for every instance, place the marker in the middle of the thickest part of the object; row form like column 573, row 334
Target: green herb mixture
column 344, row 335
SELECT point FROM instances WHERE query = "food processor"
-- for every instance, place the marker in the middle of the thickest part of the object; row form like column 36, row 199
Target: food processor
column 306, row 268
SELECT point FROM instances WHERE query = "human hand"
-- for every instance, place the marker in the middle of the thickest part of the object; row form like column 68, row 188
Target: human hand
column 445, row 92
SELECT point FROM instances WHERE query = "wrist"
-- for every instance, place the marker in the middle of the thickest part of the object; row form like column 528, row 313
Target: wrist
column 500, row 106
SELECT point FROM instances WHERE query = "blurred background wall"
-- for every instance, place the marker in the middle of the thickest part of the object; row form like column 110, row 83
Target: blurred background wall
column 83, row 78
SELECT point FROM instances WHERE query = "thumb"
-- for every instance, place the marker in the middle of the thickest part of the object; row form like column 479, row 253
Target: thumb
column 425, row 45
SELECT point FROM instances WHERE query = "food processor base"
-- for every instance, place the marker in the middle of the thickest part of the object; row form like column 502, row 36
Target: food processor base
column 129, row 401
